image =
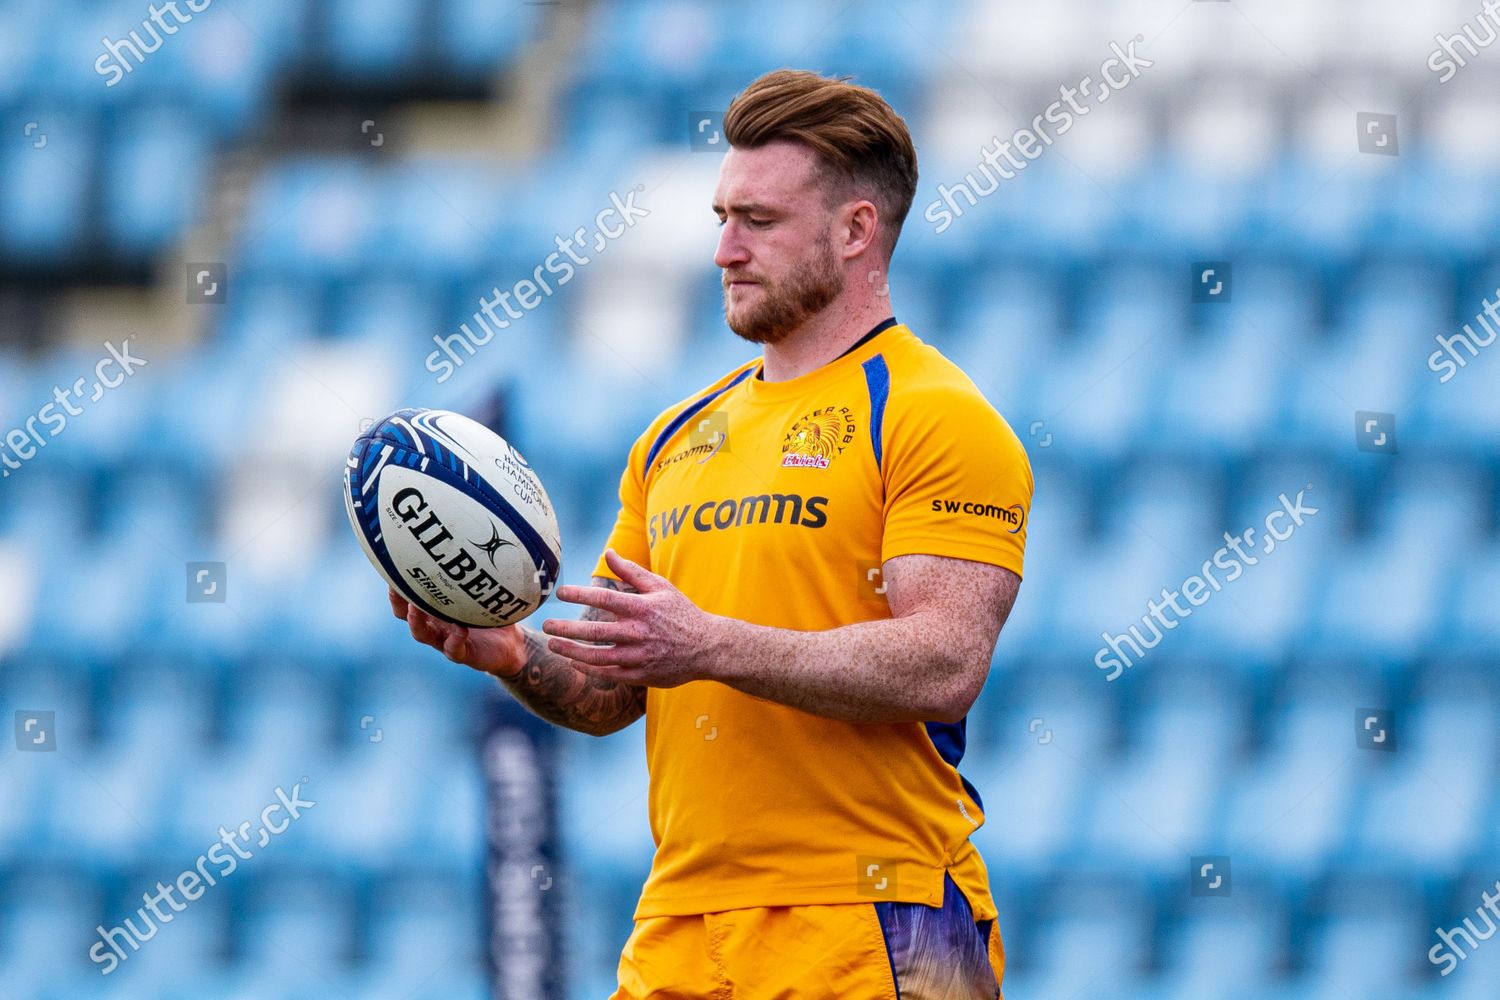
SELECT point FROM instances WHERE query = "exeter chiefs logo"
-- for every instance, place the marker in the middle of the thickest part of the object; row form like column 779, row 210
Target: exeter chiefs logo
column 817, row 438
column 492, row 546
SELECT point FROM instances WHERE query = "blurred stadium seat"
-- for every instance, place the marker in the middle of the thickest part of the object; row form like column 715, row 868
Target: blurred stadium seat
column 1153, row 425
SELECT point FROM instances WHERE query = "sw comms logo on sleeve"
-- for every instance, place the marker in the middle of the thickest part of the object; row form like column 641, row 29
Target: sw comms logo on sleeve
column 815, row 439
column 708, row 436
column 1013, row 516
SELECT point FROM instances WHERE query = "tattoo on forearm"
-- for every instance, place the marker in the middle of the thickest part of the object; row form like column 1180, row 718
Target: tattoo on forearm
column 552, row 688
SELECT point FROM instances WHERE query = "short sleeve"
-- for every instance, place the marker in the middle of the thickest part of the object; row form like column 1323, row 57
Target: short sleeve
column 628, row 537
column 957, row 480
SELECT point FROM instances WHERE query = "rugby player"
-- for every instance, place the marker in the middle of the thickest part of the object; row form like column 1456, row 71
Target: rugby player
column 813, row 559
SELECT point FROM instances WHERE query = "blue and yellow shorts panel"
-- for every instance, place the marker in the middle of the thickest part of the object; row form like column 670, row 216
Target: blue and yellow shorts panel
column 851, row 951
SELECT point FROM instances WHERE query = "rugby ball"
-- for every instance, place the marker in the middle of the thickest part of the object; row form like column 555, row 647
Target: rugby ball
column 453, row 517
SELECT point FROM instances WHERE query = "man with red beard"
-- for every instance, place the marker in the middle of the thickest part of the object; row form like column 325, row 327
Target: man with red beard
column 811, row 565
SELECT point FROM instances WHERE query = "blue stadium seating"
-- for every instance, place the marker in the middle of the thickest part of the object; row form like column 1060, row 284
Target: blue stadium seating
column 1154, row 426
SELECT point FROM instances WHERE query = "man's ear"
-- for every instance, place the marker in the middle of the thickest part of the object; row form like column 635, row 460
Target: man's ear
column 860, row 227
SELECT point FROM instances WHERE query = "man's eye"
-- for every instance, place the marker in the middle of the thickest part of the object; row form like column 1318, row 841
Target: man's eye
column 760, row 223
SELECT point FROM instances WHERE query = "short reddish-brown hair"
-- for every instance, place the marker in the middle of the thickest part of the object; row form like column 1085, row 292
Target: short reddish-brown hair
column 863, row 144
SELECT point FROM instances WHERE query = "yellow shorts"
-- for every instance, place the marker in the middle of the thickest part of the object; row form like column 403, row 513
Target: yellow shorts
column 850, row 951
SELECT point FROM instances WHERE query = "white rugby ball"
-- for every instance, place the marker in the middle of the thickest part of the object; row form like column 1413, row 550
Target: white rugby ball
column 453, row 517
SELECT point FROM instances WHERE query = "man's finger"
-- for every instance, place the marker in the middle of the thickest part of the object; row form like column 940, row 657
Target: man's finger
column 421, row 633
column 613, row 672
column 586, row 631
column 398, row 604
column 456, row 644
column 425, row 628
column 638, row 576
column 598, row 655
column 616, row 602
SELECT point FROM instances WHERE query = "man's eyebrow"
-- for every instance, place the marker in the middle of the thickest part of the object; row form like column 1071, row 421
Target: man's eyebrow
column 746, row 208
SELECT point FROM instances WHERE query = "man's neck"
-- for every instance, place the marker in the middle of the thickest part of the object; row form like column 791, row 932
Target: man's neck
column 819, row 341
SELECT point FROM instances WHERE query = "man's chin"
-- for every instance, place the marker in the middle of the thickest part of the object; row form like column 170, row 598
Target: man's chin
column 753, row 332
column 771, row 318
column 753, row 328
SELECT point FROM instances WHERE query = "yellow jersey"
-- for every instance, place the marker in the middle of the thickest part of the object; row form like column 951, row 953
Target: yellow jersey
column 776, row 503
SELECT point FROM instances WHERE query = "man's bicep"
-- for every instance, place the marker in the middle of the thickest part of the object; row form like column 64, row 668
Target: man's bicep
column 964, row 597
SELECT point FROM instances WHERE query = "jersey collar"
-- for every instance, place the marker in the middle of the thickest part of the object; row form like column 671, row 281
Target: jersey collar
column 756, row 388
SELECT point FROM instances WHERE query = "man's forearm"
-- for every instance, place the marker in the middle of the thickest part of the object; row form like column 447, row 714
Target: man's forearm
column 877, row 671
column 552, row 688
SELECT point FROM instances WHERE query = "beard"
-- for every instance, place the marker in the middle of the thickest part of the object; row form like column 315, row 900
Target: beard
column 785, row 306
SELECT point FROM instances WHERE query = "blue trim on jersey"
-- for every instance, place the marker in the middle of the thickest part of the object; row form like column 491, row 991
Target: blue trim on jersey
column 686, row 415
column 878, row 379
column 950, row 738
column 973, row 792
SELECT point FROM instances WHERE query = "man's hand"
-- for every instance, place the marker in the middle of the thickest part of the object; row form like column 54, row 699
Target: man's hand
column 497, row 651
column 925, row 663
column 659, row 638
